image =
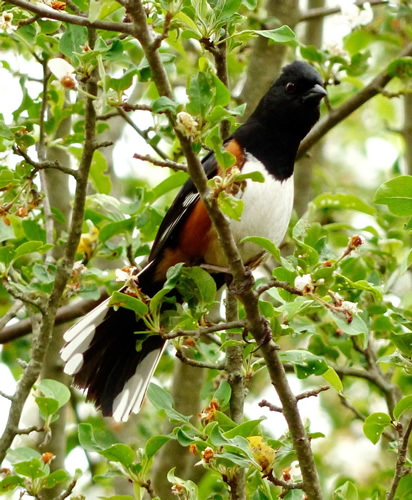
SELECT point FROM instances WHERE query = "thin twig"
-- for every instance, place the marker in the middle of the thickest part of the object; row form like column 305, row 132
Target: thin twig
column 199, row 364
column 286, row 485
column 11, row 313
column 24, row 297
column 68, row 490
column 30, row 20
column 6, row 396
column 265, row 404
column 143, row 133
column 311, row 393
column 29, row 430
column 329, row 11
column 274, row 283
column 45, row 164
column 219, row 327
column 161, row 163
column 44, row 11
column 400, row 470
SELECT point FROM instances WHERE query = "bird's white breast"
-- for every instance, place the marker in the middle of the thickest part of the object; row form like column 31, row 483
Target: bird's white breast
column 268, row 207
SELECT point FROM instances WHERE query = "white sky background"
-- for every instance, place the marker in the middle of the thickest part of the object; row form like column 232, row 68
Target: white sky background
column 355, row 452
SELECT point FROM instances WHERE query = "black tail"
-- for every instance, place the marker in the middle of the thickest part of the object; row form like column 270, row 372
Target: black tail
column 101, row 355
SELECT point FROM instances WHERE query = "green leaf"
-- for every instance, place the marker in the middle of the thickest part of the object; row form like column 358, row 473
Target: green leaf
column 343, row 201
column 173, row 276
column 56, row 477
column 120, row 453
column 114, row 228
column 279, row 35
column 6, row 255
column 28, row 247
column 100, row 180
column 119, row 497
column 86, row 438
column 200, row 95
column 403, row 405
column 123, row 83
column 174, row 181
column 163, row 104
column 304, row 362
column 32, row 469
column 154, row 444
column 375, row 425
column 159, row 398
column 347, row 491
column 23, row 454
column 9, row 483
column 94, row 10
column 311, row 53
column 72, row 40
column 54, row 389
column 222, row 97
column 223, row 394
column 332, row 377
column 47, row 406
column 230, row 206
column 397, row 195
column 189, row 487
column 119, row 299
column 245, row 429
column 255, row 176
column 356, row 327
column 401, row 67
column 203, row 281
column 268, row 245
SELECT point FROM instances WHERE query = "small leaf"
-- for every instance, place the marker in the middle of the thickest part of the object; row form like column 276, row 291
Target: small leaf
column 223, row 394
column 403, row 405
column 266, row 244
column 164, row 104
column 154, row 444
column 9, row 483
column 374, row 426
column 114, row 228
column 343, row 201
column 56, row 477
column 397, row 195
column 99, row 175
column 120, row 453
column 22, row 455
column 333, row 378
column 54, row 389
column 231, row 206
column 347, row 491
column 119, row 299
column 174, row 181
column 26, row 248
column 86, row 438
column 159, row 398
column 33, row 468
column 279, row 35
column 47, row 406
column 245, row 429
column 304, row 362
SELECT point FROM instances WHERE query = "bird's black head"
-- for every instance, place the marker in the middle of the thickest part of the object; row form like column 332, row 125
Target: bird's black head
column 283, row 117
column 293, row 100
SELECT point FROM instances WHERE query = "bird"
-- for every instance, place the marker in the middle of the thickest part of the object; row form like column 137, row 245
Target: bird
column 100, row 351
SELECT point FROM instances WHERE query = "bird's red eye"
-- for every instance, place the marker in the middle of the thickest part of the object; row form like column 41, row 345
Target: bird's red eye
column 290, row 87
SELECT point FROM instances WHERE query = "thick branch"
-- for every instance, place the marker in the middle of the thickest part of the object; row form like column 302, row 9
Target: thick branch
column 339, row 114
column 328, row 11
column 41, row 340
column 63, row 315
column 44, row 11
column 400, row 470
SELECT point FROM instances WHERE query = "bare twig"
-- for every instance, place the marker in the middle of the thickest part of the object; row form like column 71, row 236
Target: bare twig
column 11, row 313
column 30, row 20
column 38, row 302
column 349, row 106
column 311, row 393
column 42, row 165
column 265, row 404
column 286, row 485
column 161, row 163
column 29, row 430
column 328, row 11
column 274, row 283
column 43, row 11
column 198, row 364
column 41, row 342
column 6, row 396
column 142, row 133
column 68, row 490
column 63, row 315
column 219, row 327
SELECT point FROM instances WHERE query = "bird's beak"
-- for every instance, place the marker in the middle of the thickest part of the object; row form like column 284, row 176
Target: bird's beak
column 316, row 93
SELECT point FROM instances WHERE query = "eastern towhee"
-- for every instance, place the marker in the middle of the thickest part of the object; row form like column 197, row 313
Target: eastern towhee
column 101, row 349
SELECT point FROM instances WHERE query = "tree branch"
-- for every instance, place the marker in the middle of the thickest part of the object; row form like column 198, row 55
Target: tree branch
column 45, row 164
column 218, row 327
column 43, row 11
column 328, row 11
column 400, row 470
column 42, row 338
column 161, row 163
column 63, row 315
column 198, row 364
column 339, row 114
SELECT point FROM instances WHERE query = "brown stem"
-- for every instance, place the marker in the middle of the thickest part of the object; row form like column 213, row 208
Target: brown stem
column 400, row 470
